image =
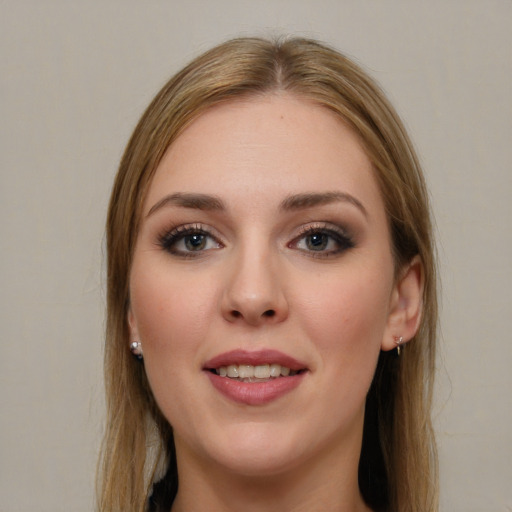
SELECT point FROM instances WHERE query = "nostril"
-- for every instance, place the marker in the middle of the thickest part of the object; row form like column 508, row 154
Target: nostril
column 269, row 313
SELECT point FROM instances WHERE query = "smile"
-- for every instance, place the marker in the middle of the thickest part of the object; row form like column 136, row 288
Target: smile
column 252, row 373
column 255, row 378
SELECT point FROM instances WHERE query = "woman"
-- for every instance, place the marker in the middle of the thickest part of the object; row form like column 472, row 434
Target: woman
column 271, row 268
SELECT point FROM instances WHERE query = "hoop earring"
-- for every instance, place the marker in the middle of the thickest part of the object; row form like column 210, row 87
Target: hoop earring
column 398, row 342
column 136, row 349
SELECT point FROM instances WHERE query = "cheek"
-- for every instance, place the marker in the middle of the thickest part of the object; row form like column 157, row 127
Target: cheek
column 171, row 309
column 172, row 314
column 346, row 317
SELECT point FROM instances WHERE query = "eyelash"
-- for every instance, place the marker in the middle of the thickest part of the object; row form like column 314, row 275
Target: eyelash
column 335, row 234
column 169, row 240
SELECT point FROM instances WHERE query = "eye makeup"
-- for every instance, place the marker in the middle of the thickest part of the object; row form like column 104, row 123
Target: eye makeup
column 188, row 240
column 322, row 240
column 314, row 239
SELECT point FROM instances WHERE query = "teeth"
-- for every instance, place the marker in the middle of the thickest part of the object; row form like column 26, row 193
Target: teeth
column 262, row 372
column 250, row 373
column 275, row 370
column 232, row 371
column 245, row 371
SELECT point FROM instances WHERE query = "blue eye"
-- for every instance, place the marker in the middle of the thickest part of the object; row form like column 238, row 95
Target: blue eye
column 322, row 242
column 195, row 241
column 317, row 241
column 187, row 240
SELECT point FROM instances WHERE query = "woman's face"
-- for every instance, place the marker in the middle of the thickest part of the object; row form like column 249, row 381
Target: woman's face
column 263, row 250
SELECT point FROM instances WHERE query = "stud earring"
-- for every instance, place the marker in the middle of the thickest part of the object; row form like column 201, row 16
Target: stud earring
column 136, row 349
column 398, row 342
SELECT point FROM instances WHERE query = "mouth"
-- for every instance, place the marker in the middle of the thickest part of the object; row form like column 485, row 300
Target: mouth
column 258, row 373
column 255, row 378
column 261, row 364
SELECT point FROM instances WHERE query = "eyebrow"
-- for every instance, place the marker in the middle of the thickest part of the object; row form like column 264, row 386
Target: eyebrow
column 187, row 200
column 293, row 202
column 309, row 200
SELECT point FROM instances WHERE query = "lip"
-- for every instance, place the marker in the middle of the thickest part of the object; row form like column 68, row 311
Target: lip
column 254, row 393
column 254, row 358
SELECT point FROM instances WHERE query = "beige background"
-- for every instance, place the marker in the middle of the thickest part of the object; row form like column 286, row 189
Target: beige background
column 75, row 76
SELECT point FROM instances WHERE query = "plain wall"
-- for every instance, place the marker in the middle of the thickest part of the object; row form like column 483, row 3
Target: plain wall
column 75, row 77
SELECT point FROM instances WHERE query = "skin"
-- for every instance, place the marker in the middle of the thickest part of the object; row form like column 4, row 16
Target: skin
column 260, row 283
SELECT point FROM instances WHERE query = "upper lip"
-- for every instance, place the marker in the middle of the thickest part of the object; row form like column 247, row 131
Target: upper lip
column 257, row 357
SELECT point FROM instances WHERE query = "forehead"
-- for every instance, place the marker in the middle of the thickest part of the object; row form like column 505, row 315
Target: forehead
column 270, row 146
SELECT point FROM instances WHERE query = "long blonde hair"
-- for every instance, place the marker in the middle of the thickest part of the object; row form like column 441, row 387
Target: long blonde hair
column 398, row 467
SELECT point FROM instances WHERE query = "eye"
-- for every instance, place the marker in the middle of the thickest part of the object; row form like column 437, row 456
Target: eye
column 322, row 241
column 188, row 241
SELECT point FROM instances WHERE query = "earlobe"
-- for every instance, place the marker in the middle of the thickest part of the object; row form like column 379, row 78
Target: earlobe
column 134, row 343
column 405, row 306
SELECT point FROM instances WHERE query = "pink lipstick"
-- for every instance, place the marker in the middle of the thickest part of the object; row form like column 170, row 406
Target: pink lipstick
column 254, row 378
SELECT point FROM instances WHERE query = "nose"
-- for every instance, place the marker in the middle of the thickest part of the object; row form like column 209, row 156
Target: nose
column 253, row 292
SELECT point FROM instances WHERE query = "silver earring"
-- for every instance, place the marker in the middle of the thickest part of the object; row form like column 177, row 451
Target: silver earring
column 136, row 349
column 398, row 342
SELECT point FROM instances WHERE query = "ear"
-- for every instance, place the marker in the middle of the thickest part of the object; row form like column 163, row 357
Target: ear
column 405, row 306
column 132, row 326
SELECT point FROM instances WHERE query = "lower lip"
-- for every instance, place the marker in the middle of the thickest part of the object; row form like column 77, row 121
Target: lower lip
column 255, row 393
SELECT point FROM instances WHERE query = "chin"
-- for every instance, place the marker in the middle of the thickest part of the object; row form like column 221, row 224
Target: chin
column 274, row 451
column 252, row 450
column 259, row 462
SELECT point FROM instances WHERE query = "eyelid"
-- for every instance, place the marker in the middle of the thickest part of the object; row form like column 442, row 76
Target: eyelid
column 173, row 234
column 341, row 236
column 315, row 226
